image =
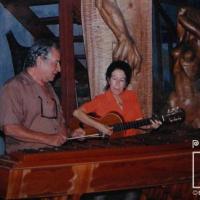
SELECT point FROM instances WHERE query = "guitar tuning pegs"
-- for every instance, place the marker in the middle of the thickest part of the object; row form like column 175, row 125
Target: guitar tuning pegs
column 169, row 110
column 154, row 116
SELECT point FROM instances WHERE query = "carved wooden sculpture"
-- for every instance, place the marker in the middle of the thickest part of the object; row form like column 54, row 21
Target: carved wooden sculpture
column 126, row 48
column 186, row 66
column 112, row 31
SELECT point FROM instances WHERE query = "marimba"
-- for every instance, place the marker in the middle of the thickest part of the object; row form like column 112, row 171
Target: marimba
column 162, row 158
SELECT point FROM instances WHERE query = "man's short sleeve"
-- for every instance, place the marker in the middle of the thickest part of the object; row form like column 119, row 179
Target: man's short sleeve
column 11, row 111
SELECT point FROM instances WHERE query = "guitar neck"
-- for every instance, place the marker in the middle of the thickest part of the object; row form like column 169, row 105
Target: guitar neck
column 129, row 125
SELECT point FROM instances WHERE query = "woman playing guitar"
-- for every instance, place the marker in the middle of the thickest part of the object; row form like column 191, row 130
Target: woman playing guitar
column 115, row 99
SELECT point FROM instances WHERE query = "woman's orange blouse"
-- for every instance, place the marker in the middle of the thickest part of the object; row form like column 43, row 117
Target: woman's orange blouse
column 106, row 103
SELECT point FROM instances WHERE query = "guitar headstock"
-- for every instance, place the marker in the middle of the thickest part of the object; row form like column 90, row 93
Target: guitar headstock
column 173, row 115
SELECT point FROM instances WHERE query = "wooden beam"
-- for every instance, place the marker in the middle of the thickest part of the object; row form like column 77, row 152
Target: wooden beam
column 41, row 2
column 67, row 58
column 31, row 22
column 77, row 11
column 78, row 38
column 158, row 83
column 49, row 20
column 168, row 21
column 34, row 2
column 174, row 2
column 81, row 56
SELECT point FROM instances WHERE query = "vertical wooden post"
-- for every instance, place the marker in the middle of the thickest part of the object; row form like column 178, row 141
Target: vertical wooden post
column 67, row 58
column 158, row 83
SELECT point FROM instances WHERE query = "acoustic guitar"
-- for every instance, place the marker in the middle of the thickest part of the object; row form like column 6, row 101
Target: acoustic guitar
column 115, row 120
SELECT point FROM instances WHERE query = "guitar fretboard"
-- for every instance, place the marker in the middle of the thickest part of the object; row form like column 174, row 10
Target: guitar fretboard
column 128, row 125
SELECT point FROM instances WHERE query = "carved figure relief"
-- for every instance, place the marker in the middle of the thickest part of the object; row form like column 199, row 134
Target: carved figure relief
column 125, row 48
column 186, row 68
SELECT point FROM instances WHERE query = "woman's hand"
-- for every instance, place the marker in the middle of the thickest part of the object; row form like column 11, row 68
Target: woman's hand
column 107, row 130
column 155, row 123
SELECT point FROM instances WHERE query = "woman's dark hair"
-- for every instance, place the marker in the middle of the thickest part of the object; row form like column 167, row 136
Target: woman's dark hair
column 119, row 64
column 41, row 47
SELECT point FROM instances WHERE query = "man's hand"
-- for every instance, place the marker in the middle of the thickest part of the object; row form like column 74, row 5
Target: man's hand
column 55, row 139
column 79, row 132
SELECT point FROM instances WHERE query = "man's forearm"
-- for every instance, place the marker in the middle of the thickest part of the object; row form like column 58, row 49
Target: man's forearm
column 24, row 134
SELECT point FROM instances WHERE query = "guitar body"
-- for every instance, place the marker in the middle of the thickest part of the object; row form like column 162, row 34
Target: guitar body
column 109, row 119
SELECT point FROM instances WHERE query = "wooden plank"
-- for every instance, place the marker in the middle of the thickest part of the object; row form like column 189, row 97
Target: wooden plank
column 67, row 58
